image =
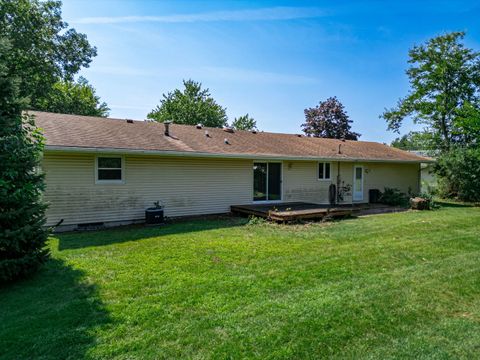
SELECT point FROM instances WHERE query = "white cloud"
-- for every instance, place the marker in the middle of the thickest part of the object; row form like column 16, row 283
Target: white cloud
column 263, row 14
column 204, row 73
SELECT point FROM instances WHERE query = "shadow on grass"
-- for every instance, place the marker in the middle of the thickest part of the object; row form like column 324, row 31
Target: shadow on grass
column 454, row 204
column 77, row 240
column 52, row 315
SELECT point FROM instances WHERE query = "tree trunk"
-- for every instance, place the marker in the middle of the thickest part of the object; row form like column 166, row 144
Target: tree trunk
column 443, row 126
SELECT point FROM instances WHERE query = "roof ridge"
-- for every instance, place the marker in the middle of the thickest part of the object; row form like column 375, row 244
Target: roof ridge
column 83, row 116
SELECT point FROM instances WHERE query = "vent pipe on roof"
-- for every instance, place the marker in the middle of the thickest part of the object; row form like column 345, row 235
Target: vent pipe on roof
column 339, row 148
column 167, row 127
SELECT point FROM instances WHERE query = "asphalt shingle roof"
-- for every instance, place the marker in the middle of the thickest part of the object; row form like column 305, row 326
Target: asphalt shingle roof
column 73, row 131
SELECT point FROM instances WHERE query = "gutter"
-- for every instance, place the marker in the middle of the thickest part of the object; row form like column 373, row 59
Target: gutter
column 78, row 149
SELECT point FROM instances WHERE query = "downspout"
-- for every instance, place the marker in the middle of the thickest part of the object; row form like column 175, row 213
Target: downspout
column 353, row 184
column 338, row 182
column 338, row 173
column 419, row 187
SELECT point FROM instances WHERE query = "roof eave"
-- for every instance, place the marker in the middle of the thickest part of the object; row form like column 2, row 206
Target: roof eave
column 75, row 149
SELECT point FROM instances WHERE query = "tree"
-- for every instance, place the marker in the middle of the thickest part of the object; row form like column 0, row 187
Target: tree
column 22, row 235
column 191, row 106
column 414, row 140
column 466, row 125
column 69, row 97
column 328, row 120
column 443, row 75
column 459, row 173
column 244, row 122
column 43, row 49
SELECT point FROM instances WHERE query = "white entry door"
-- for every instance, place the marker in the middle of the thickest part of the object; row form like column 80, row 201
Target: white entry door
column 358, row 183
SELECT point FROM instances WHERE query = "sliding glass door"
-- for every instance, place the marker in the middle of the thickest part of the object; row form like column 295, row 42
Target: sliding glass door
column 274, row 181
column 259, row 181
column 267, row 181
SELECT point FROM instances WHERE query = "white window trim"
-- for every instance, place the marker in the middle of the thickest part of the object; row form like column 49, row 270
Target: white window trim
column 122, row 181
column 318, row 171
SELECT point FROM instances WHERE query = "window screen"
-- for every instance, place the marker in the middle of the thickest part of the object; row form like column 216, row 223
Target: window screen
column 109, row 168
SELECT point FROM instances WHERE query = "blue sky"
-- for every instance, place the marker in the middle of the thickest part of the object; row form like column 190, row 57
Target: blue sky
column 268, row 59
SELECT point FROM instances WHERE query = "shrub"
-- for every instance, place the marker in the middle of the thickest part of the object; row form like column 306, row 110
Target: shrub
column 431, row 200
column 394, row 197
column 459, row 174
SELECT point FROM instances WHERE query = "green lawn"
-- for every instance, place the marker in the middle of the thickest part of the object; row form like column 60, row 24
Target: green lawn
column 387, row 286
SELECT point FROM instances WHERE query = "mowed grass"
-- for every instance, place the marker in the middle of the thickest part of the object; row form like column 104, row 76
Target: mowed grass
column 403, row 285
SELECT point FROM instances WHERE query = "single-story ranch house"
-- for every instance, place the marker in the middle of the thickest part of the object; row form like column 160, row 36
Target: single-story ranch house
column 111, row 170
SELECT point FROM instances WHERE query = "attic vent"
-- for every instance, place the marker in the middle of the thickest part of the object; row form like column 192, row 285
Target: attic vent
column 199, row 126
column 228, row 129
column 226, row 141
column 130, row 121
column 299, row 135
column 254, row 131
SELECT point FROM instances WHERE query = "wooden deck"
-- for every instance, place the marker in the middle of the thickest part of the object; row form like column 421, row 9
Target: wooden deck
column 294, row 211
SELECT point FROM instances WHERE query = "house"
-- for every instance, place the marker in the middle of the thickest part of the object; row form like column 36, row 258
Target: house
column 428, row 178
column 111, row 170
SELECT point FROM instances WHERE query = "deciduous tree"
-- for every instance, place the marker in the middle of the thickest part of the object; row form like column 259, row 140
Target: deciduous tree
column 191, row 106
column 44, row 50
column 414, row 140
column 329, row 120
column 466, row 125
column 70, row 97
column 459, row 173
column 244, row 122
column 444, row 75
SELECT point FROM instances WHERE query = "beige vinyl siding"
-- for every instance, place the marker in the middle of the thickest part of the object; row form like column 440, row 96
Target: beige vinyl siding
column 405, row 177
column 300, row 179
column 346, row 180
column 186, row 187
column 428, row 178
column 300, row 182
column 192, row 186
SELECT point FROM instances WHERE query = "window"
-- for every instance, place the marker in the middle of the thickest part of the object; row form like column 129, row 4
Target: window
column 109, row 169
column 324, row 171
